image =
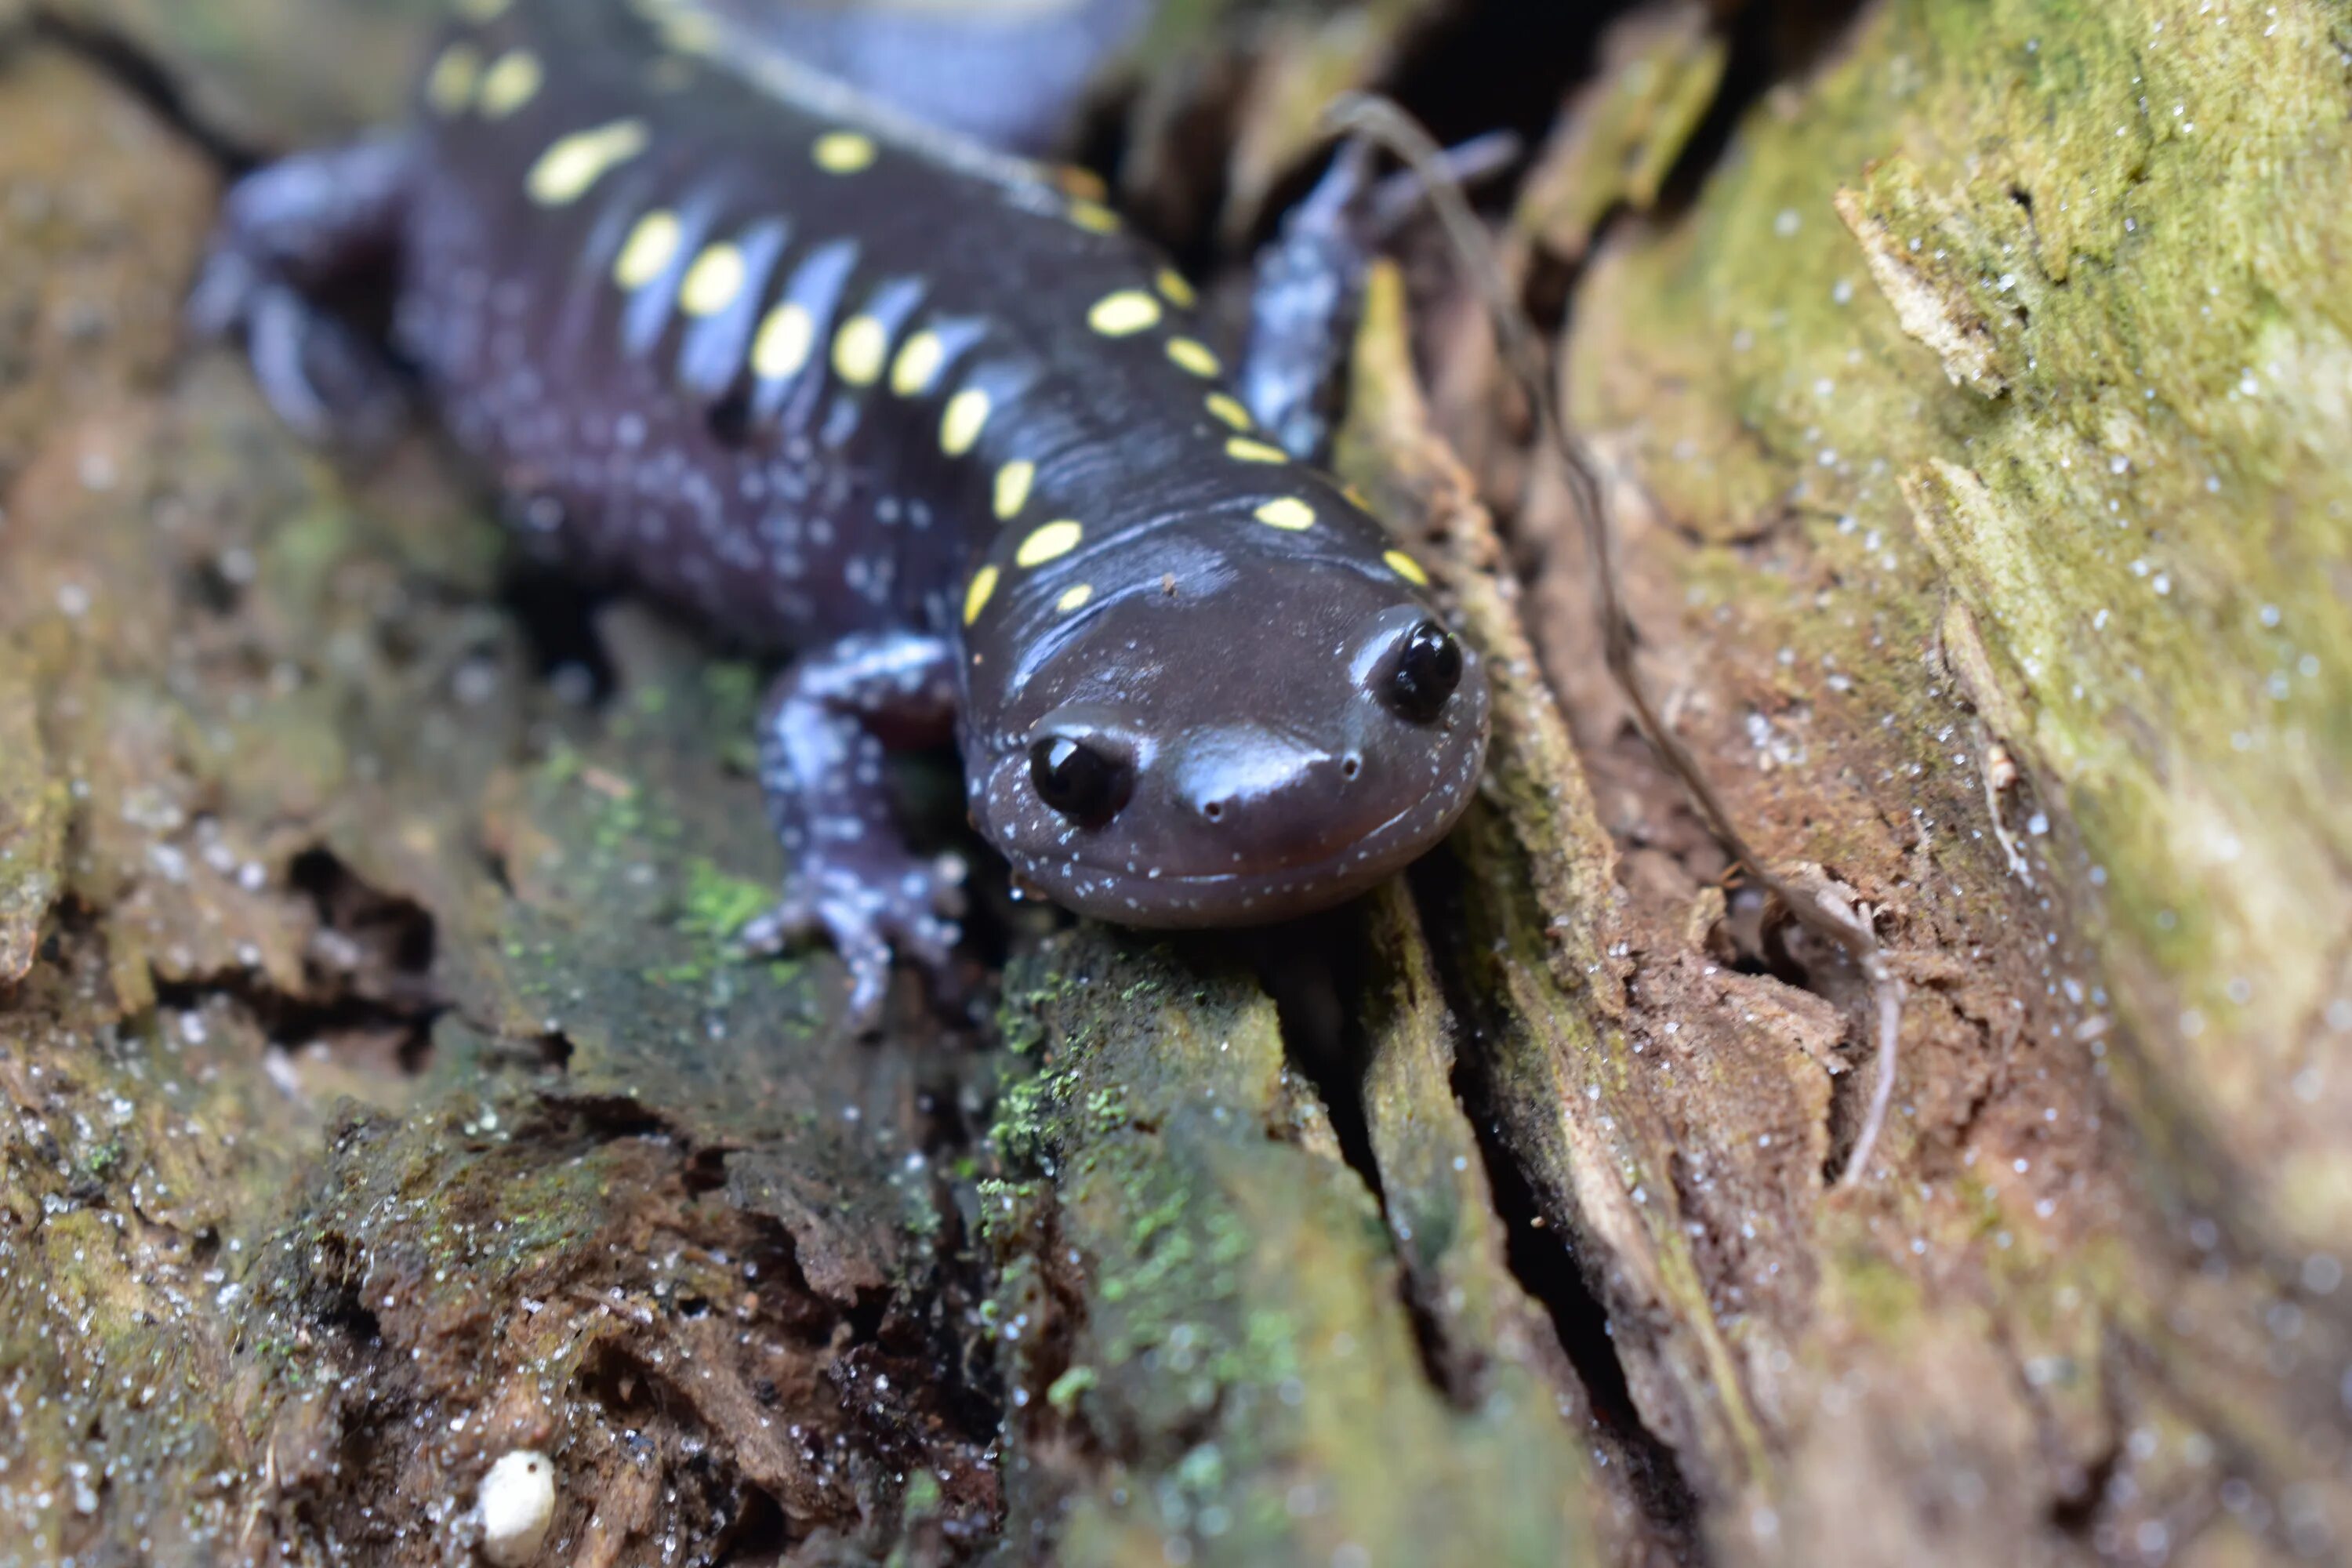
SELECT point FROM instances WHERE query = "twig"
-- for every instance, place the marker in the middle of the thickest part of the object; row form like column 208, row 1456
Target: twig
column 1379, row 120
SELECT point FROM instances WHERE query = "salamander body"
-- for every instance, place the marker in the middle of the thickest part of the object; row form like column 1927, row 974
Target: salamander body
column 922, row 414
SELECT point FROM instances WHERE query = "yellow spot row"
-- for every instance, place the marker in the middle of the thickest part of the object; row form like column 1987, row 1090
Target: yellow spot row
column 458, row 81
column 1053, row 541
column 574, row 164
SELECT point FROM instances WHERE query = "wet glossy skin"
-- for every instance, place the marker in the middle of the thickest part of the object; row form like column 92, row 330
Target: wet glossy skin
column 922, row 414
column 1265, row 784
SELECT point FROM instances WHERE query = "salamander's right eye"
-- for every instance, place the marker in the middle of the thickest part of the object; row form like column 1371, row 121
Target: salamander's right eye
column 1081, row 782
column 1428, row 669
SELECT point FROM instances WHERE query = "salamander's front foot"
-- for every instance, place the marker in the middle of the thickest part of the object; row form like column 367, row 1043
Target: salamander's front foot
column 821, row 765
column 909, row 909
column 291, row 235
column 325, row 381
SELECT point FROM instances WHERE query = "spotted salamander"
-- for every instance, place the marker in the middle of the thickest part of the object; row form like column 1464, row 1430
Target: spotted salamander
column 927, row 416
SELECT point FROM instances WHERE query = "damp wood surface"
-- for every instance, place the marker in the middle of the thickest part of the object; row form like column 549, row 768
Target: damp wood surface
column 379, row 1091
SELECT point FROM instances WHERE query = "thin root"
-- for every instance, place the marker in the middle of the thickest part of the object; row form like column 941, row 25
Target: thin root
column 1379, row 120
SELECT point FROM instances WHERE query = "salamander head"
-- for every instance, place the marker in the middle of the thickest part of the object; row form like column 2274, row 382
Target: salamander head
column 1265, row 742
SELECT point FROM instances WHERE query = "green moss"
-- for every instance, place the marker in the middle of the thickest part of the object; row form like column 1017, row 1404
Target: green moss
column 718, row 904
column 1063, row 1392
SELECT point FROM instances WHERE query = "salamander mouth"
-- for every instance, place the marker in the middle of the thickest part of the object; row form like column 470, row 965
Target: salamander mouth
column 1161, row 899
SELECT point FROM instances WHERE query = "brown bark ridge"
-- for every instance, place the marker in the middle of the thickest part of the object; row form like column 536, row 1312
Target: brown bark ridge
column 380, row 1092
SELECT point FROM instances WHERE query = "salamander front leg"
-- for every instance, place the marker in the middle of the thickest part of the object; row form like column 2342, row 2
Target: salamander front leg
column 291, row 235
column 822, row 741
column 1308, row 290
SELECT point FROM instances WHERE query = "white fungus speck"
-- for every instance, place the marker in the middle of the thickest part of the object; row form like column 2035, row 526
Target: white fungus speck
column 518, row 1503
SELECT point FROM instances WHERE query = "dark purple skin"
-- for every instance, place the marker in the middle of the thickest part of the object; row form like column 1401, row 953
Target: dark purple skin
column 1270, row 707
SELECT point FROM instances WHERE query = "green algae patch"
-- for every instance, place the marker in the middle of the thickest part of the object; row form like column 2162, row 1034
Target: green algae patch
column 1203, row 1294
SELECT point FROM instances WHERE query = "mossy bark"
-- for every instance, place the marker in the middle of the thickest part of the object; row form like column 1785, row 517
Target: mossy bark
column 384, row 1091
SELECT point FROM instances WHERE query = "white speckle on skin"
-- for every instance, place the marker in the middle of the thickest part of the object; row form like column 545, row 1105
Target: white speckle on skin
column 518, row 1503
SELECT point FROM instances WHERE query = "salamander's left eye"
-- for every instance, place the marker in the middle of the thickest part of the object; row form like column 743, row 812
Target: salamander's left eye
column 1083, row 783
column 1428, row 669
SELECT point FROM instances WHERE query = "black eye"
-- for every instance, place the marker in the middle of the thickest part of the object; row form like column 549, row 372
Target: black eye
column 1428, row 669
column 1077, row 781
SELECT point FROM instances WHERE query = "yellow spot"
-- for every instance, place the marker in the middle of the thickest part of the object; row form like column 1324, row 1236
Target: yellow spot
column 1356, row 497
column 1406, row 567
column 449, row 87
column 713, row 281
column 784, row 344
column 967, row 411
column 1050, row 542
column 510, row 82
column 1191, row 354
column 1075, row 598
column 1012, row 482
column 918, row 364
column 1082, row 183
column 1127, row 311
column 646, row 253
column 1227, row 408
column 566, row 170
column 843, row 151
column 481, row 10
column 690, row 33
column 1287, row 513
column 1094, row 217
column 975, row 598
column 1247, row 451
column 1173, row 289
column 859, row 349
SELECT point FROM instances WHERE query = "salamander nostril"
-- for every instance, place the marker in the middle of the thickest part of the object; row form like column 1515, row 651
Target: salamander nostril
column 1214, row 811
column 1350, row 765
